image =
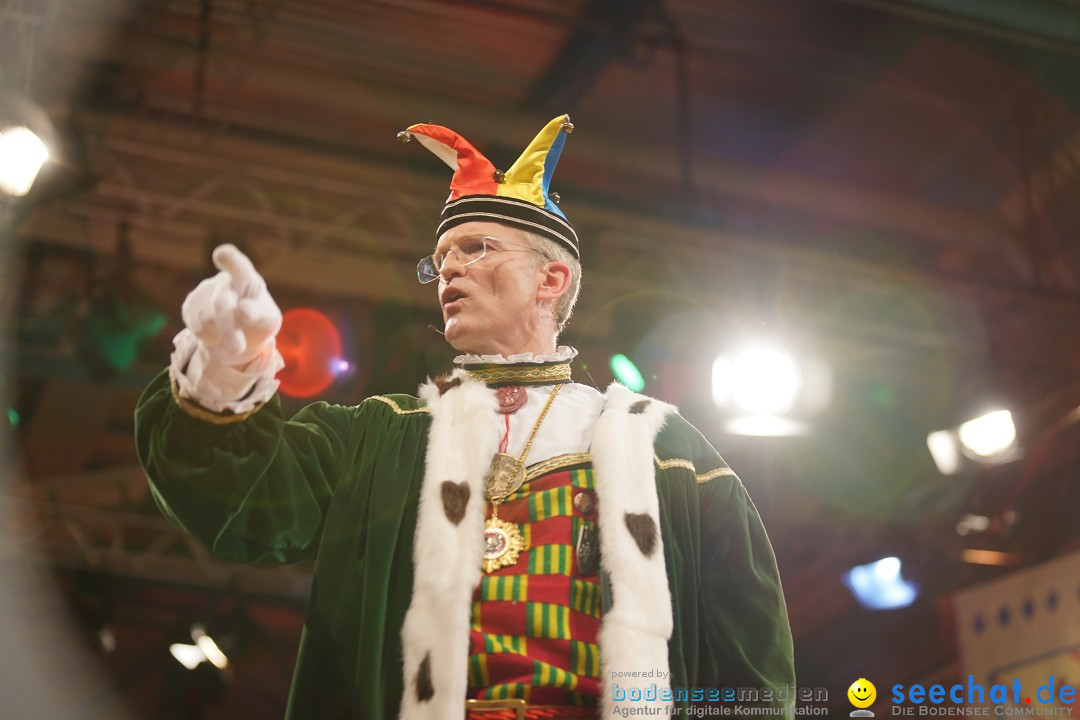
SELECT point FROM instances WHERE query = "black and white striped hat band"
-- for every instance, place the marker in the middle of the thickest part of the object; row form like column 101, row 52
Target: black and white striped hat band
column 509, row 211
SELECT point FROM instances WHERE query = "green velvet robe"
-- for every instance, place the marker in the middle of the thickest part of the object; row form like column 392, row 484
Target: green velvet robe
column 340, row 485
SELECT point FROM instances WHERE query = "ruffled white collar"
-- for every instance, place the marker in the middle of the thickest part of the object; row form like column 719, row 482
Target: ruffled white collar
column 564, row 353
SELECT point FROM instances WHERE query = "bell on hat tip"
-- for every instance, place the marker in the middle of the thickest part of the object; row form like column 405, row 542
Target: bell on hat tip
column 404, row 136
column 554, row 197
column 568, row 126
column 498, row 176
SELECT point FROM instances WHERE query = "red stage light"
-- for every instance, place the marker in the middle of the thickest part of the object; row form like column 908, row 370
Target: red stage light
column 310, row 344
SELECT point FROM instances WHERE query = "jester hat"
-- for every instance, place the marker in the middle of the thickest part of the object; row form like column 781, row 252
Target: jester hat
column 519, row 197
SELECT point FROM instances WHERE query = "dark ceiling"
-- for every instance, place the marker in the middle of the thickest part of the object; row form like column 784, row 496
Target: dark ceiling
column 890, row 184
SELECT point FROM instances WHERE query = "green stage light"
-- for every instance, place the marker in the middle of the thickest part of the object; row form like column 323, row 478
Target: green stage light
column 13, row 417
column 118, row 327
column 627, row 373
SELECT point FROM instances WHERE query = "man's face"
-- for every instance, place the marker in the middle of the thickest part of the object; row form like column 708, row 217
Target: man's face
column 489, row 307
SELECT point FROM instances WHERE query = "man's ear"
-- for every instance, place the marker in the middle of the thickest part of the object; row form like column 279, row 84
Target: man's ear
column 555, row 280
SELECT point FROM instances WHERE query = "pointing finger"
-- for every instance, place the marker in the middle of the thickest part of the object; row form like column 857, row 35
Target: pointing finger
column 244, row 278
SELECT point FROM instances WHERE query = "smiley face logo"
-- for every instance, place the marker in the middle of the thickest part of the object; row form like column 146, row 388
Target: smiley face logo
column 862, row 693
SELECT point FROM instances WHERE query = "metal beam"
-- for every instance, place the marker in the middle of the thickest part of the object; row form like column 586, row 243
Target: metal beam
column 596, row 153
column 173, row 229
column 100, row 539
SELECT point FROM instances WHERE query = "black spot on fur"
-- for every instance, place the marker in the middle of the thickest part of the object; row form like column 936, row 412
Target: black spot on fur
column 639, row 407
column 455, row 498
column 424, row 689
column 445, row 382
column 643, row 529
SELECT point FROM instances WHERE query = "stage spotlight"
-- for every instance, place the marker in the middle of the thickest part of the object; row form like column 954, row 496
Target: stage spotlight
column 22, row 153
column 988, row 436
column 945, row 451
column 208, row 647
column 121, row 322
column 26, row 134
column 880, row 586
column 626, row 372
column 989, row 439
column 187, row 655
column 107, row 639
column 765, row 391
column 204, row 650
column 972, row 523
column 760, row 381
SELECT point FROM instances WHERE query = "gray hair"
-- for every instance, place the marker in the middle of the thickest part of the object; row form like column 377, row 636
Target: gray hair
column 551, row 251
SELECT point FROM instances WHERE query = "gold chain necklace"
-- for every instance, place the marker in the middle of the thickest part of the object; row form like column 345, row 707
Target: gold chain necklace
column 502, row 540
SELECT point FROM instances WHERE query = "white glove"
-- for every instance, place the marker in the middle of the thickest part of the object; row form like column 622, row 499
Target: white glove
column 226, row 357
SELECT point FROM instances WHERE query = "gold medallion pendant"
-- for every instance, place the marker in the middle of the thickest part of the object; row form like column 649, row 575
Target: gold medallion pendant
column 506, row 475
column 502, row 544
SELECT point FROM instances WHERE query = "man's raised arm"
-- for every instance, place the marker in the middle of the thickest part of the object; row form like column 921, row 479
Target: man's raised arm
column 226, row 356
column 222, row 461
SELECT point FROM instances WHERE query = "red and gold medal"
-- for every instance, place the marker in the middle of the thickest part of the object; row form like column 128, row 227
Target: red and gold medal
column 503, row 542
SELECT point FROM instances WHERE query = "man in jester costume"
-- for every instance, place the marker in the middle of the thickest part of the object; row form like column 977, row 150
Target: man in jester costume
column 508, row 544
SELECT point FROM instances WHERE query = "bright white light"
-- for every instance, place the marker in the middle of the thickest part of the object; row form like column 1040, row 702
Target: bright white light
column 943, row 449
column 886, row 569
column 989, row 435
column 879, row 586
column 766, row 426
column 342, row 366
column 22, row 153
column 107, row 639
column 972, row 523
column 761, row 381
column 188, row 655
column 721, row 381
column 208, row 647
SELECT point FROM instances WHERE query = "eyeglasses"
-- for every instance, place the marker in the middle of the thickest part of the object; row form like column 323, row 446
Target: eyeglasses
column 466, row 251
